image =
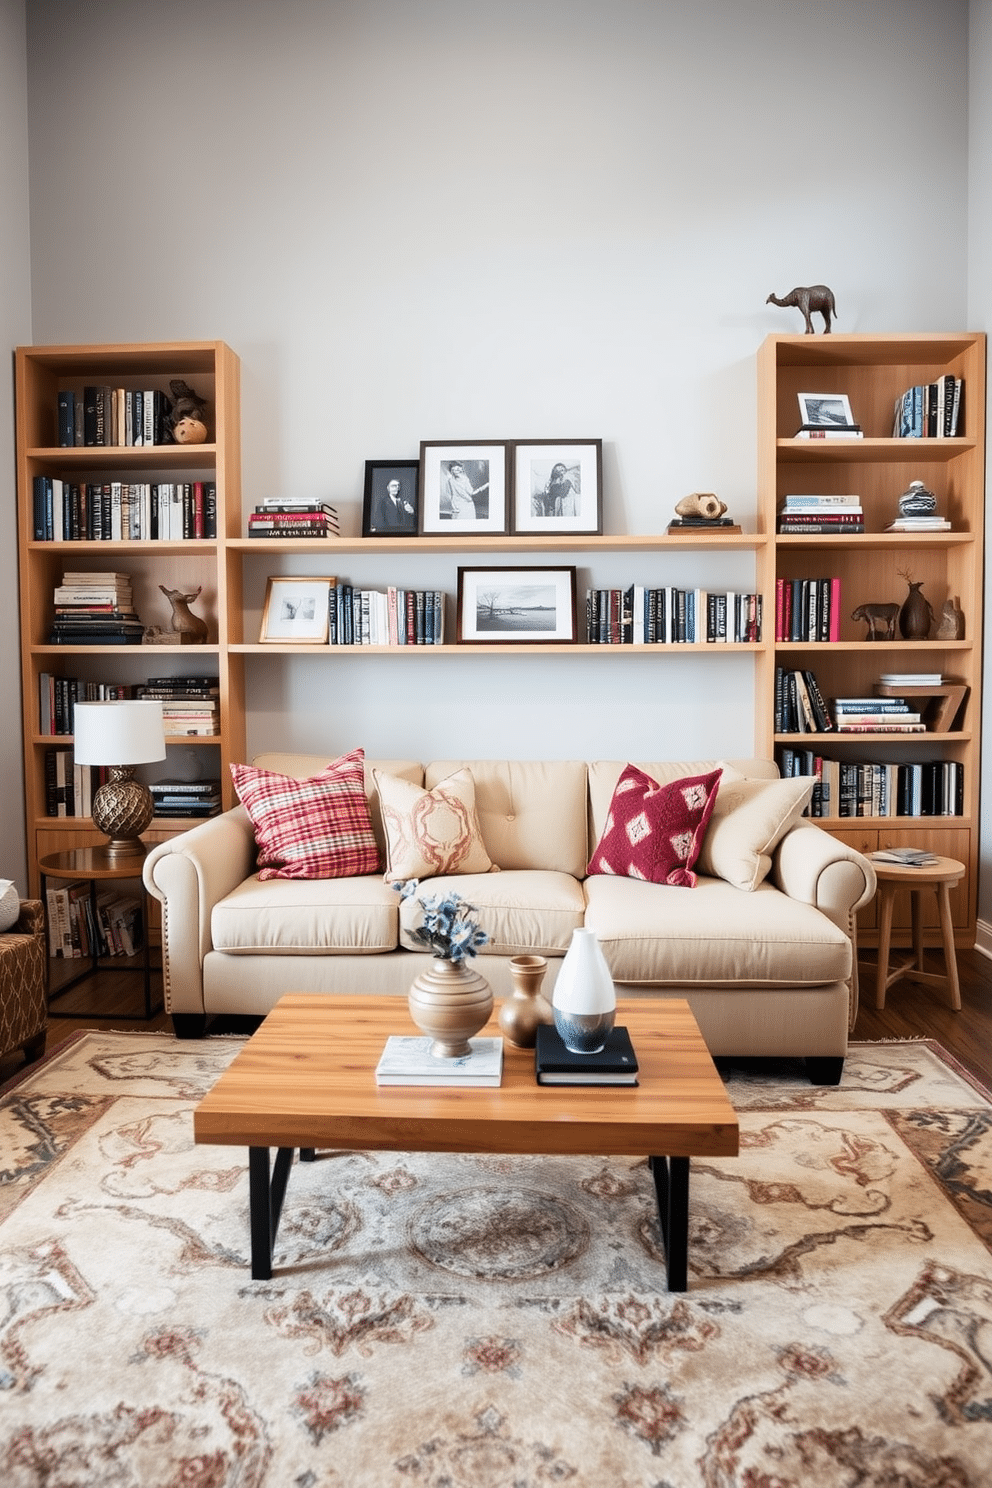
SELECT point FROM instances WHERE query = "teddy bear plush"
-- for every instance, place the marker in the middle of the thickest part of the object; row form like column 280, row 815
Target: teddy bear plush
column 186, row 418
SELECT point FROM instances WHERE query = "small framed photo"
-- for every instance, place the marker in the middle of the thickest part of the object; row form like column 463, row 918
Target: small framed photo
column 557, row 485
column 520, row 605
column 390, row 507
column 825, row 410
column 296, row 609
column 463, row 487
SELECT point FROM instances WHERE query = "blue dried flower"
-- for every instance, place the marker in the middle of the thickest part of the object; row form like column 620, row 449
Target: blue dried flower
column 446, row 926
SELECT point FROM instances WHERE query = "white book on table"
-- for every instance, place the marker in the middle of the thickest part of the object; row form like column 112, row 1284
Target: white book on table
column 407, row 1060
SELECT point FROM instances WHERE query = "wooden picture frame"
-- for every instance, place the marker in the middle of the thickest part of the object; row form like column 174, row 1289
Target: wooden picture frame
column 464, row 487
column 389, row 512
column 557, row 486
column 517, row 606
column 297, row 610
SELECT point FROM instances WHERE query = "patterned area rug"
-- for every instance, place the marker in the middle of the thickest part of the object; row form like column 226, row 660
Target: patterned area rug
column 500, row 1322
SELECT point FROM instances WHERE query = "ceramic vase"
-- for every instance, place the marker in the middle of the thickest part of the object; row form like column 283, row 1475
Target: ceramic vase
column 450, row 1002
column 585, row 999
column 916, row 615
column 526, row 1008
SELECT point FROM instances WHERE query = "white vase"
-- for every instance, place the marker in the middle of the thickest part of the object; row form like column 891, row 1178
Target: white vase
column 585, row 999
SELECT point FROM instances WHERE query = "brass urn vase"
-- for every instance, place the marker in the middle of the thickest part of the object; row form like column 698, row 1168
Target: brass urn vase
column 450, row 1002
column 526, row 1008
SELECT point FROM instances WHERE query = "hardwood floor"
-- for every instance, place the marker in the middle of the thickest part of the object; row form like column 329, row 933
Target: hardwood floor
column 911, row 1011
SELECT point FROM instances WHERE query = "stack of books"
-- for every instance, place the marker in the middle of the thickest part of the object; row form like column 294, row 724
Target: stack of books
column 929, row 410
column 906, row 857
column 95, row 609
column 876, row 715
column 919, row 524
column 555, row 1064
column 275, row 517
column 912, row 679
column 190, row 705
column 821, row 515
column 190, row 798
column 386, row 617
column 407, row 1060
column 829, row 431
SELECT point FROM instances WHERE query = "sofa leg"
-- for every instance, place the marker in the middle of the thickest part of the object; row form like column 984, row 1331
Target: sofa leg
column 189, row 1025
column 35, row 1047
column 824, row 1069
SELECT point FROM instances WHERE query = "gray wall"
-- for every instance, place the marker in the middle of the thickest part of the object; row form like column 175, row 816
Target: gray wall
column 453, row 220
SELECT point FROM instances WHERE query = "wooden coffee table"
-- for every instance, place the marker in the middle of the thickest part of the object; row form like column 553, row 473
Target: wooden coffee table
column 306, row 1079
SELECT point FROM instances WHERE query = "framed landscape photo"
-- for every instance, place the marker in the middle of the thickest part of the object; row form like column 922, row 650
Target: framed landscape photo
column 296, row 609
column 520, row 605
column 463, row 487
column 390, row 507
column 825, row 410
column 557, row 485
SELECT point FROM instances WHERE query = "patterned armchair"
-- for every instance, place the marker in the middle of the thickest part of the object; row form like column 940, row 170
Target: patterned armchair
column 23, row 965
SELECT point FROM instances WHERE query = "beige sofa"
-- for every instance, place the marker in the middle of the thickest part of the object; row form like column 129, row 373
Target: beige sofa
column 771, row 972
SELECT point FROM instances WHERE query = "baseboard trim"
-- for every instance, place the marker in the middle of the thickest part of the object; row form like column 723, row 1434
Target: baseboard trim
column 983, row 938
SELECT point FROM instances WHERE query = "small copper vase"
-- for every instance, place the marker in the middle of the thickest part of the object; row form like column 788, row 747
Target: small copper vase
column 450, row 1002
column 526, row 1008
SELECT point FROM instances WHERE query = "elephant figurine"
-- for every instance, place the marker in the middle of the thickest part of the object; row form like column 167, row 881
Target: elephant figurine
column 807, row 298
column 880, row 619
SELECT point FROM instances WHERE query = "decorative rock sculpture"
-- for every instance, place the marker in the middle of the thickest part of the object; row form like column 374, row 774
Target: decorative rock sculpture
column 880, row 619
column 701, row 504
column 950, row 627
column 808, row 298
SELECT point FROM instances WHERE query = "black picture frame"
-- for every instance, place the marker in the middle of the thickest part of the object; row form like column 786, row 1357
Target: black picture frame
column 557, row 487
column 519, row 606
column 380, row 515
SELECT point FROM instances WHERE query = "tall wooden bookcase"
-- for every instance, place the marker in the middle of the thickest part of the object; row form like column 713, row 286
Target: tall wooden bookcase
column 42, row 372
column 873, row 371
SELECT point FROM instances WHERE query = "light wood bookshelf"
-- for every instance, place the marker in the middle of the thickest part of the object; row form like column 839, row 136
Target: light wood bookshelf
column 213, row 370
column 873, row 371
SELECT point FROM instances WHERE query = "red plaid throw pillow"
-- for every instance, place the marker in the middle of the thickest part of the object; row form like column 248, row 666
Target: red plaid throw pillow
column 655, row 831
column 316, row 828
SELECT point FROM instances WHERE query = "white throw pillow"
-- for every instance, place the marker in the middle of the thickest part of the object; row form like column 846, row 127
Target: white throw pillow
column 430, row 832
column 749, row 820
column 10, row 904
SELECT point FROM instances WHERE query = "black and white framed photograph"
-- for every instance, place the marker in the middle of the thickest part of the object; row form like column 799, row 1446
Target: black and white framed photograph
column 463, row 487
column 521, row 605
column 557, row 485
column 825, row 410
column 390, row 507
column 296, row 609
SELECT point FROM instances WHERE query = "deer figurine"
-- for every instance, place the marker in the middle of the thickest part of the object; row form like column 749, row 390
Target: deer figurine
column 192, row 631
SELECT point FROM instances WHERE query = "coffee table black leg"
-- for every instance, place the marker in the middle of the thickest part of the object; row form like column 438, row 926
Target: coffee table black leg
column 671, row 1186
column 265, row 1198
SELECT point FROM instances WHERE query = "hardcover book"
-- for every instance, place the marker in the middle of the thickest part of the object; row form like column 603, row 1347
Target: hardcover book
column 615, row 1064
column 407, row 1060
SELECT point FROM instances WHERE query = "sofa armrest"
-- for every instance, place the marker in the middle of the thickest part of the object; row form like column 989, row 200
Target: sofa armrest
column 189, row 874
column 811, row 866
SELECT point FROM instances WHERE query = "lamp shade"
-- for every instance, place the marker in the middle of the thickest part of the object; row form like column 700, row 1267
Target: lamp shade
column 118, row 733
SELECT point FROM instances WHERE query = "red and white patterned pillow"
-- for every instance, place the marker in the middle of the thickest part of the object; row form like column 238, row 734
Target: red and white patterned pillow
column 431, row 832
column 314, row 828
column 654, row 832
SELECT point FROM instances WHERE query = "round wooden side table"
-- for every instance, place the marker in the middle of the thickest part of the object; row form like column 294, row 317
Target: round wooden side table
column 98, row 866
column 938, row 878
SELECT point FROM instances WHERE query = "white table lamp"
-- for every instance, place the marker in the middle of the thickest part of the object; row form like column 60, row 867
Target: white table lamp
column 120, row 735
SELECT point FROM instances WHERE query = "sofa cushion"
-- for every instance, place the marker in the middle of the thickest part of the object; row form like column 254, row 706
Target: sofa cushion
column 300, row 766
column 532, row 812
column 337, row 916
column 604, row 774
column 522, row 911
column 749, row 820
column 716, row 936
column 430, row 831
column 314, row 828
column 653, row 832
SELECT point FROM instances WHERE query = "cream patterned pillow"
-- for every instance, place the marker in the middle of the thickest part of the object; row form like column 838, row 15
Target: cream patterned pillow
column 749, row 820
column 429, row 832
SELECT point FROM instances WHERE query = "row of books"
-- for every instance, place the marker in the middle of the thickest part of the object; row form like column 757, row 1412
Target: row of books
column 640, row 616
column 95, row 609
column 929, row 410
column 118, row 511
column 806, row 516
column 850, row 788
column 57, row 696
column 79, row 928
column 103, row 415
column 801, row 708
column 807, row 609
column 69, row 788
column 312, row 517
column 190, row 705
column 186, row 798
column 385, row 617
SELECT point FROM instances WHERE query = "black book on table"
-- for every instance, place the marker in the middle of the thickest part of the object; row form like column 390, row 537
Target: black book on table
column 615, row 1064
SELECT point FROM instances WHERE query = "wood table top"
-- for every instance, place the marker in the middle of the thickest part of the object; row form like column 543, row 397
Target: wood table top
column 306, row 1078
